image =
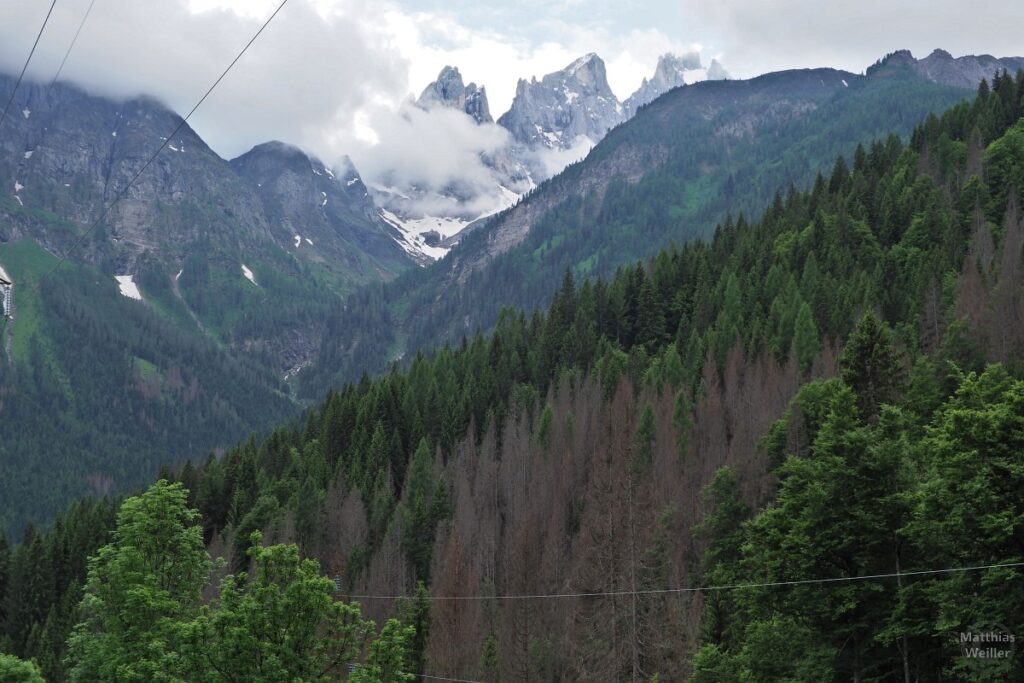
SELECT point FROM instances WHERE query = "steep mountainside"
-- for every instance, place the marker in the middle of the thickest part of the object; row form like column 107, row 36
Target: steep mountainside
column 802, row 405
column 667, row 175
column 332, row 219
column 552, row 122
column 180, row 313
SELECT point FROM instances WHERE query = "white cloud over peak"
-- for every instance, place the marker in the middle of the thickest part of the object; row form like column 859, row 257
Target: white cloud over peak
column 331, row 76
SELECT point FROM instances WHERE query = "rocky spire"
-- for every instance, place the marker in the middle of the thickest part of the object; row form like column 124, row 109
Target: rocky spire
column 563, row 106
column 449, row 91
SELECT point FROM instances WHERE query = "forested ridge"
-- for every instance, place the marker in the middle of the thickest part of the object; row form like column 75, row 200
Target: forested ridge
column 90, row 375
column 666, row 176
column 841, row 379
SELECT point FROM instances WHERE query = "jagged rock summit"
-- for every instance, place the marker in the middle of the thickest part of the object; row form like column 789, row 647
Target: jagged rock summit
column 966, row 71
column 450, row 91
column 563, row 106
column 673, row 71
column 942, row 67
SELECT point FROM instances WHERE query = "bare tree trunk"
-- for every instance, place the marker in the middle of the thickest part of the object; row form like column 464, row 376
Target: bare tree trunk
column 632, row 573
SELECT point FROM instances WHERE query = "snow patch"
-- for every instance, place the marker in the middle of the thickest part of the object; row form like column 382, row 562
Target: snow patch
column 324, row 203
column 353, row 181
column 308, row 241
column 178, row 276
column 248, row 275
column 845, row 84
column 4, row 275
column 26, row 112
column 114, row 134
column 18, row 187
column 173, row 148
column 329, row 173
column 298, row 241
column 128, row 287
column 413, row 230
column 28, row 154
column 20, row 203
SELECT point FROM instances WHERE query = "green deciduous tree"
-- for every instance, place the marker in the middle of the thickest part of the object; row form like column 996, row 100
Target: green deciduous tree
column 139, row 588
column 388, row 659
column 280, row 622
column 14, row 670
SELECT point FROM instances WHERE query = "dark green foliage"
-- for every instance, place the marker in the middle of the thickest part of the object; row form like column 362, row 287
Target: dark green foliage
column 104, row 375
column 870, row 367
column 876, row 498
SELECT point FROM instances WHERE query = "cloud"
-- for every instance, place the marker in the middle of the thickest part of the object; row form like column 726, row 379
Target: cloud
column 757, row 37
column 551, row 161
column 331, row 76
column 306, row 73
column 429, row 149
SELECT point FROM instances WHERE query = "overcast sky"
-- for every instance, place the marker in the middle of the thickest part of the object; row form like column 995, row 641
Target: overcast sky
column 329, row 75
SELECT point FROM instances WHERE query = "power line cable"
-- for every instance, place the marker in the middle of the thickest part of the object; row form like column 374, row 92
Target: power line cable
column 73, row 41
column 442, row 678
column 25, row 67
column 120, row 195
column 696, row 589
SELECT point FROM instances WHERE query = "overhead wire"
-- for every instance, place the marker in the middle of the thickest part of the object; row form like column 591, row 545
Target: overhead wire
column 73, row 41
column 692, row 589
column 24, row 68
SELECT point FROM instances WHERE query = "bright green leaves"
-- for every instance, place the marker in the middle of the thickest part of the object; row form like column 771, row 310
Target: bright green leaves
column 278, row 623
column 143, row 617
column 14, row 670
column 140, row 588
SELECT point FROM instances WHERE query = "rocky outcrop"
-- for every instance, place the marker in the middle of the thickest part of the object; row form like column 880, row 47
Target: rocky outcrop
column 966, row 71
column 672, row 71
column 69, row 154
column 943, row 68
column 322, row 215
column 564, row 106
column 449, row 91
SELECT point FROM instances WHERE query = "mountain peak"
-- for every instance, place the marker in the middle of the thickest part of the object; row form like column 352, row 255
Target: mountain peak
column 942, row 67
column 450, row 91
column 671, row 72
column 564, row 106
column 589, row 70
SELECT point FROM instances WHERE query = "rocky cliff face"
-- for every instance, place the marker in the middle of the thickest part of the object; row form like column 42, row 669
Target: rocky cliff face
column 673, row 71
column 323, row 216
column 68, row 154
column 271, row 217
column 564, row 106
column 449, row 91
column 943, row 68
column 966, row 71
